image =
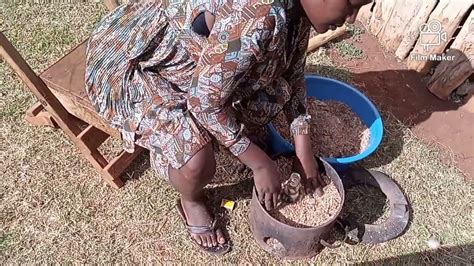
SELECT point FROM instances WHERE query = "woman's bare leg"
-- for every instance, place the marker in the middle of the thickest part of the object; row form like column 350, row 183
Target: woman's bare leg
column 189, row 181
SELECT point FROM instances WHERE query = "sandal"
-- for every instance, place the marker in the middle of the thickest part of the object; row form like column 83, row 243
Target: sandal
column 218, row 250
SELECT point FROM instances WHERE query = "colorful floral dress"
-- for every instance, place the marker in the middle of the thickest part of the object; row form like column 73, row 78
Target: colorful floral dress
column 172, row 90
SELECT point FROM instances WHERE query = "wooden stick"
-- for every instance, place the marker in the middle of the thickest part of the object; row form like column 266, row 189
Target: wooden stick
column 324, row 38
column 111, row 4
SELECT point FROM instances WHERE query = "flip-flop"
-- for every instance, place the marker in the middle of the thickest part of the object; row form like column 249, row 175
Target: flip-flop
column 218, row 250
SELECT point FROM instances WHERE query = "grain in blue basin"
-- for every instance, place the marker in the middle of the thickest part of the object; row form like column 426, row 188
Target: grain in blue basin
column 326, row 89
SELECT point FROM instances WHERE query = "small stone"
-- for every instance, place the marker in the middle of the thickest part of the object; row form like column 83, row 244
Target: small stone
column 433, row 243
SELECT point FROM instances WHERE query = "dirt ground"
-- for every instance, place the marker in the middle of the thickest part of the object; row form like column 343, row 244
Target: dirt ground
column 403, row 92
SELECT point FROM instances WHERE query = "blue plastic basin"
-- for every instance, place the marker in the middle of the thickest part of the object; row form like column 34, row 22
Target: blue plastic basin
column 329, row 89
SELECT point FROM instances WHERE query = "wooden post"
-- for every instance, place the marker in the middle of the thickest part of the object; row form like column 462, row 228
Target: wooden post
column 420, row 12
column 449, row 14
column 451, row 74
column 405, row 12
column 365, row 14
column 382, row 12
column 111, row 4
column 323, row 38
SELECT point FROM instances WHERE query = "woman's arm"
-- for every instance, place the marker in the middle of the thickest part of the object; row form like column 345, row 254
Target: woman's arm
column 297, row 115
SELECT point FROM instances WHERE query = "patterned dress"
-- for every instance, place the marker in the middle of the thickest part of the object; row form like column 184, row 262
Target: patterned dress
column 172, row 90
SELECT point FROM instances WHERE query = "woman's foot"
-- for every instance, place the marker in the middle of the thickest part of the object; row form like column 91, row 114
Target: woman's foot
column 197, row 215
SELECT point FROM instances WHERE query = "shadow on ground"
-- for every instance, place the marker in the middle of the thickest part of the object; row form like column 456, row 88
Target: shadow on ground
column 458, row 255
column 138, row 167
column 399, row 95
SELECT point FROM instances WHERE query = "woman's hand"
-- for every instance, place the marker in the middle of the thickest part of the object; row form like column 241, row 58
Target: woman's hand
column 266, row 176
column 307, row 166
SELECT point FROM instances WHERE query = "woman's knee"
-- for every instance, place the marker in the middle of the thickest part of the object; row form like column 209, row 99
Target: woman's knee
column 202, row 166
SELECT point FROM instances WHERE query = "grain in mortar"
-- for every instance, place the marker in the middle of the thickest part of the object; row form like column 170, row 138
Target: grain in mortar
column 309, row 211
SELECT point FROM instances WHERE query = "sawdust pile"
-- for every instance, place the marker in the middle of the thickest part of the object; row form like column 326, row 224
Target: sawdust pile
column 336, row 131
column 309, row 211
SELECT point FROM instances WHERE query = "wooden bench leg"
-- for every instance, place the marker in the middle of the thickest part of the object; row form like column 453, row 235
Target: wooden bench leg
column 118, row 165
column 84, row 136
column 111, row 172
column 92, row 138
column 38, row 116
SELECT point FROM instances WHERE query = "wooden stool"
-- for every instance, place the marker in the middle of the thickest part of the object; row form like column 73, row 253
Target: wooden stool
column 63, row 103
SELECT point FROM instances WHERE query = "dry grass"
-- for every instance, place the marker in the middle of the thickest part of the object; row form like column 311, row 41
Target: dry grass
column 55, row 208
column 320, row 63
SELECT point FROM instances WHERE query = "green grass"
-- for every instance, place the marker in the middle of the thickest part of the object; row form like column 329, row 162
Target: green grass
column 355, row 32
column 348, row 50
column 54, row 207
column 4, row 242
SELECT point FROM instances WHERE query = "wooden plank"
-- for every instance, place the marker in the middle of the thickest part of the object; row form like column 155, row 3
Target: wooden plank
column 451, row 74
column 323, row 38
column 116, row 167
column 111, row 4
column 87, row 115
column 418, row 13
column 405, row 13
column 67, row 75
column 382, row 12
column 449, row 14
column 93, row 136
column 364, row 15
column 65, row 78
column 391, row 35
column 38, row 116
column 465, row 39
